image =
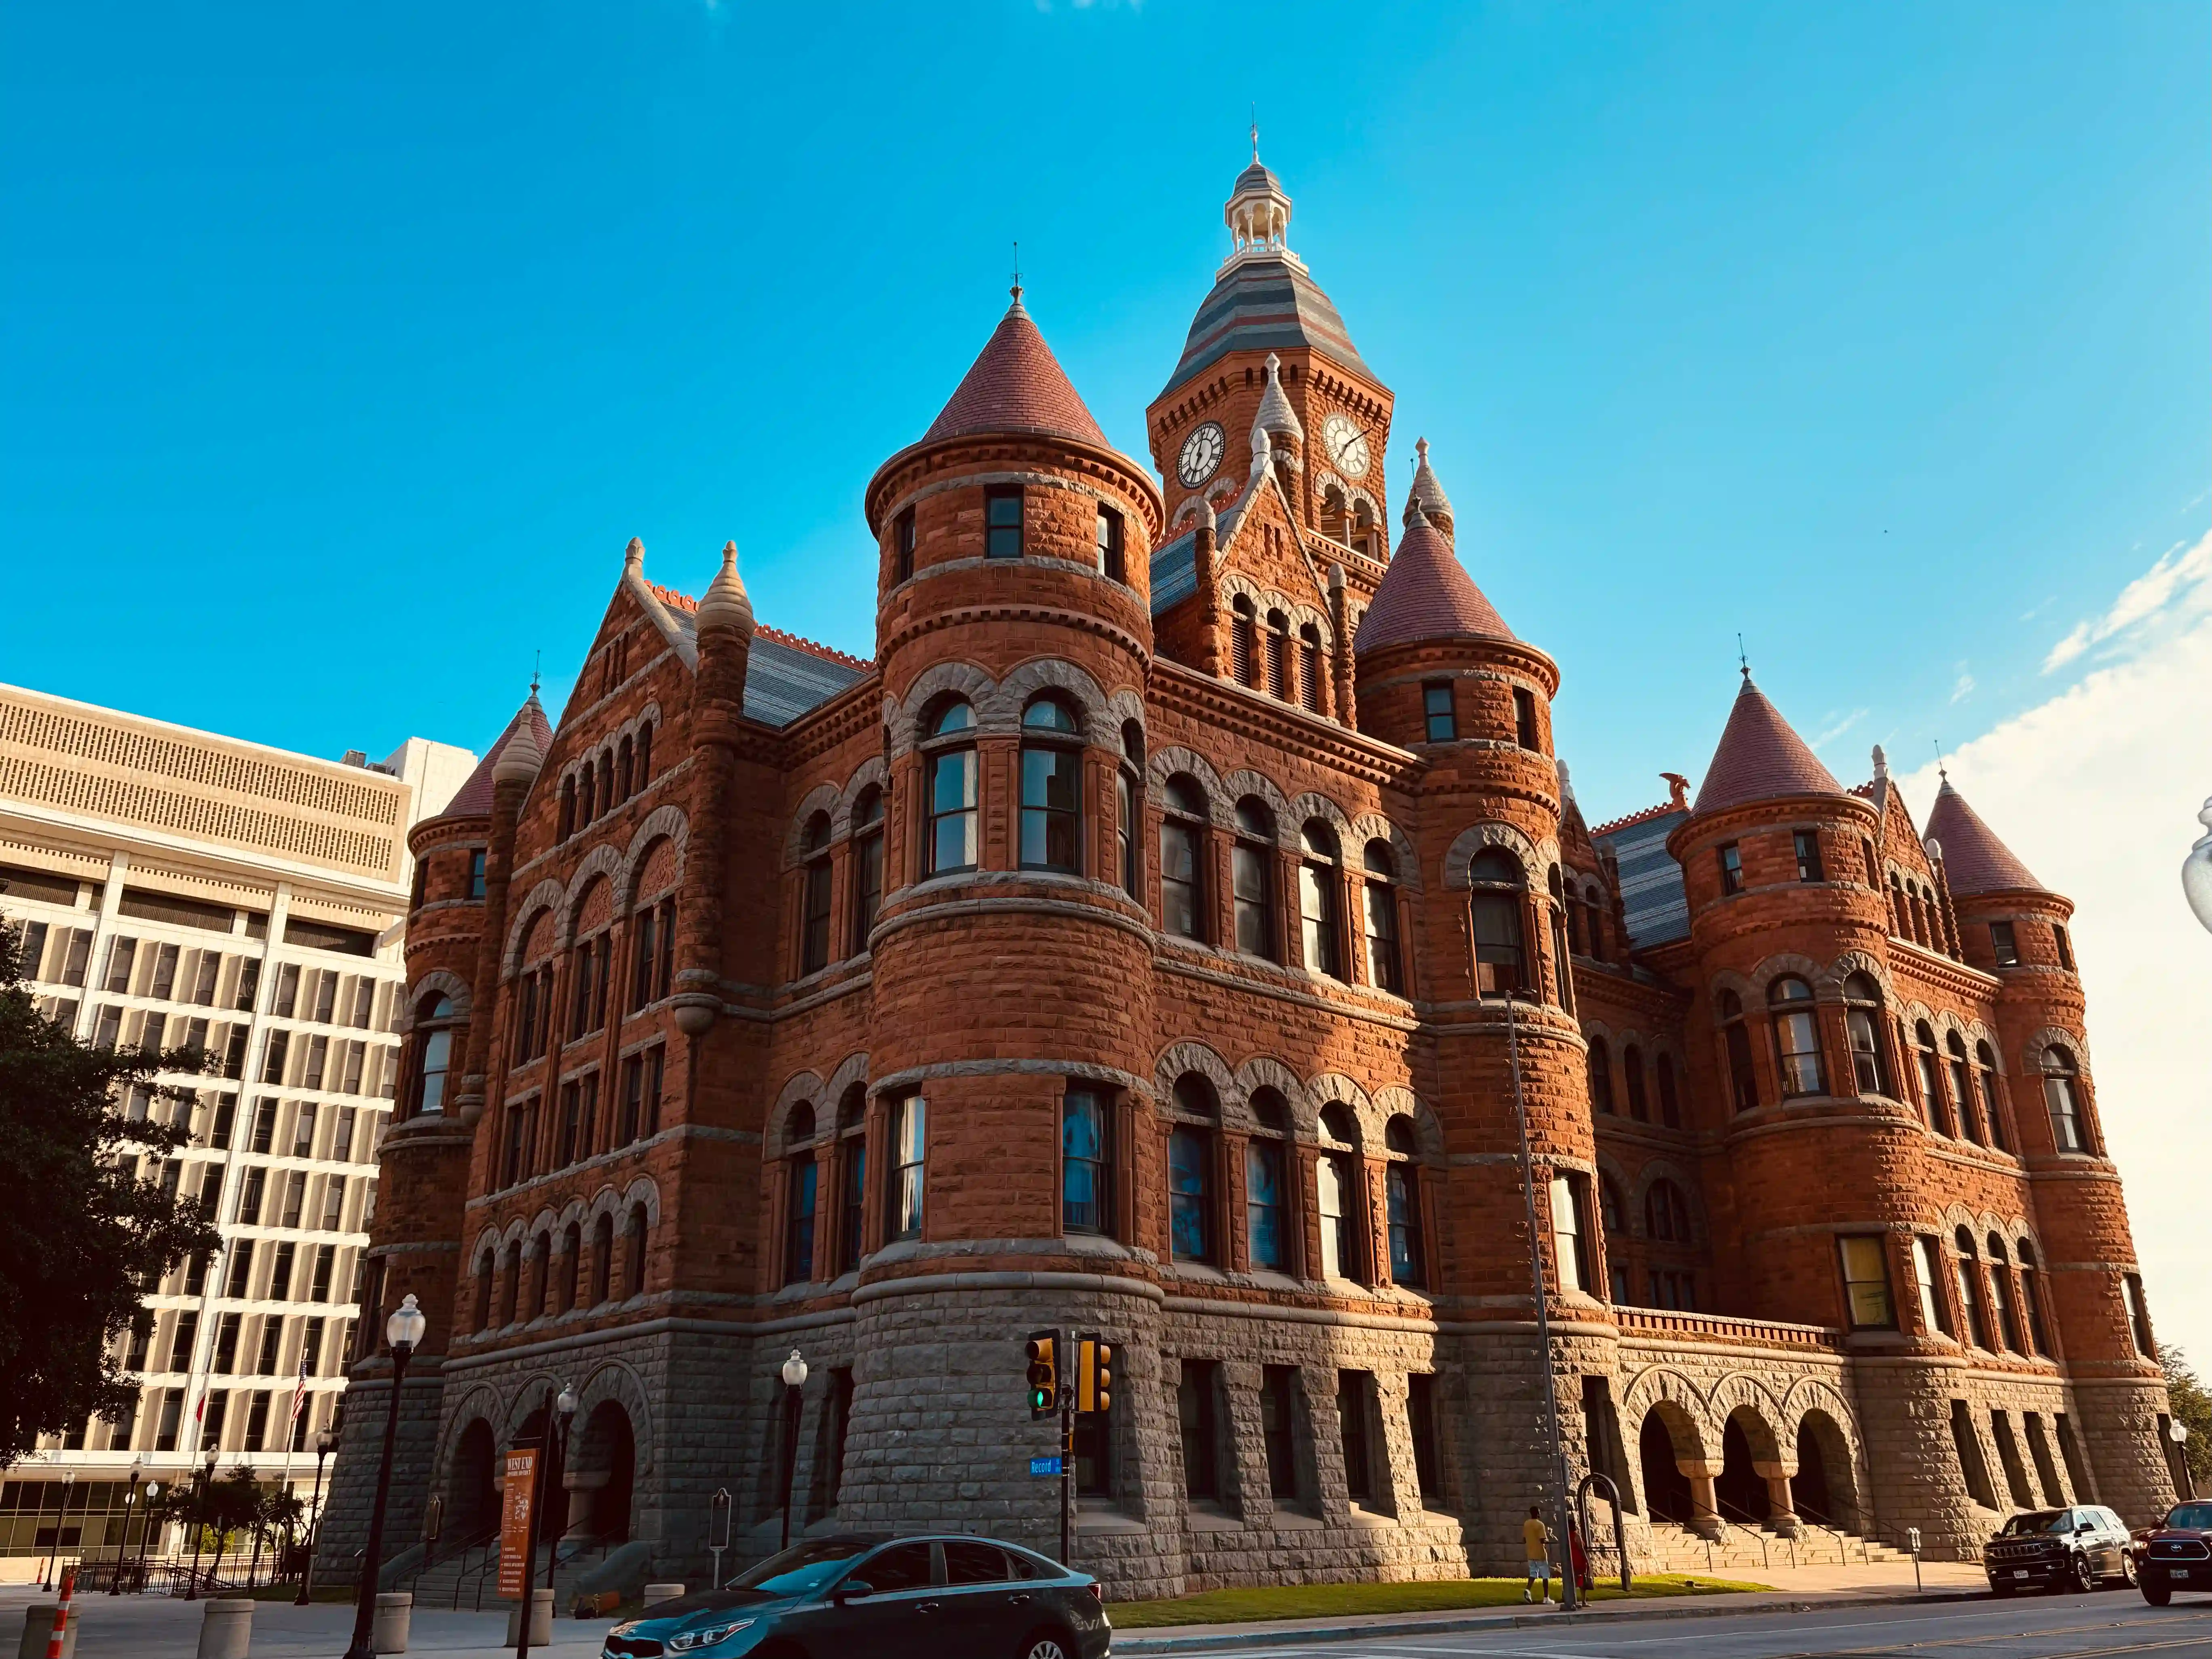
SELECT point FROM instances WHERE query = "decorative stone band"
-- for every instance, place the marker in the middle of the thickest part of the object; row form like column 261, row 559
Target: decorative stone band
column 946, row 1283
column 893, row 1082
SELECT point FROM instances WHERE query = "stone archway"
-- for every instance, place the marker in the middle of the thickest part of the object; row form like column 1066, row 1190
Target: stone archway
column 1823, row 1486
column 471, row 1494
column 601, row 1474
column 1668, row 1495
column 1741, row 1492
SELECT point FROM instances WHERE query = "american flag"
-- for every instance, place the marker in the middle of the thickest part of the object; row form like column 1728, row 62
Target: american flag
column 299, row 1398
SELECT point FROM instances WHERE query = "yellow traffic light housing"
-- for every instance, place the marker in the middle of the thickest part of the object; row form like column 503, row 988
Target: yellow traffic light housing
column 1043, row 1353
column 1094, row 1377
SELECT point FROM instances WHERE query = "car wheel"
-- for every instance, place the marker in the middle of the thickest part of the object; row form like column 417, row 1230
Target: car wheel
column 2129, row 1574
column 1046, row 1644
column 2155, row 1590
column 2079, row 1579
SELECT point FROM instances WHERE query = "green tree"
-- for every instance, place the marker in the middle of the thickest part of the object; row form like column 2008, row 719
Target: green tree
column 2192, row 1408
column 81, row 1237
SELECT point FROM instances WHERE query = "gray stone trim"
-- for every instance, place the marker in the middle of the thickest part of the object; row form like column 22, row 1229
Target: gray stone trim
column 941, row 1284
column 894, row 1081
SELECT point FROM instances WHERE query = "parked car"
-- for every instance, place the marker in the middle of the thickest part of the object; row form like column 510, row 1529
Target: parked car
column 2073, row 1549
column 866, row 1593
column 2178, row 1555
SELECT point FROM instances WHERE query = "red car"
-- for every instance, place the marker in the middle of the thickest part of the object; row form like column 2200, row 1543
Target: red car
column 2177, row 1555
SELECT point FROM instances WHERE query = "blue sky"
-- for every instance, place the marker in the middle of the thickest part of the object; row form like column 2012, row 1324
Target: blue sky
column 347, row 346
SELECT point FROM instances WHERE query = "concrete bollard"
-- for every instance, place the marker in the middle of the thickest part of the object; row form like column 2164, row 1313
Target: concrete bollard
column 39, row 1629
column 656, row 1593
column 226, row 1629
column 395, row 1609
column 541, row 1620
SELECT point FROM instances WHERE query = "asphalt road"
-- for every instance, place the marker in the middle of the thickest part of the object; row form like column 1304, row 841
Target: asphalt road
column 2037, row 1627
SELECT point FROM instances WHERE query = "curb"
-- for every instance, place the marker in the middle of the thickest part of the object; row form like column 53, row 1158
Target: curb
column 1232, row 1641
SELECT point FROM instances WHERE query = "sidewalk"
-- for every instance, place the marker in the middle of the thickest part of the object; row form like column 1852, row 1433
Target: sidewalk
column 1799, row 1590
column 163, row 1627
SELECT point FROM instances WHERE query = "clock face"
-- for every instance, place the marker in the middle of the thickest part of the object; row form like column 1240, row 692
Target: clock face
column 1345, row 443
column 1201, row 455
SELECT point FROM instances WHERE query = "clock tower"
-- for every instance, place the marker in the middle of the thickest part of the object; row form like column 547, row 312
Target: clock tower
column 1268, row 348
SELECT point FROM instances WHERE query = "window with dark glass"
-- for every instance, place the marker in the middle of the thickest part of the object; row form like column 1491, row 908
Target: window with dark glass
column 1086, row 1164
column 867, row 855
column 1266, row 1193
column 1866, row 1283
column 1385, row 967
column 2064, row 944
column 1808, row 856
column 1962, row 1085
column 1112, row 562
column 1600, row 1075
column 1279, row 655
column 1251, row 871
column 1524, row 719
column 1002, row 517
column 1182, row 911
column 909, row 1143
column 1279, row 1430
column 1443, row 723
column 1318, row 891
column 1495, row 882
column 2006, row 1320
column 1421, row 1425
column 1052, row 790
column 814, row 950
column 798, row 1217
column 1862, row 1018
column 2004, row 944
column 2138, row 1312
column 1310, row 668
column 1670, row 1100
column 1969, row 1276
column 1731, row 862
column 905, row 534
column 1351, row 1395
column 1243, row 641
column 1402, row 1203
column 2039, row 1340
column 950, row 841
column 1937, row 1103
column 1190, row 1198
column 1561, row 943
column 1796, row 1038
column 2061, row 1096
column 477, row 873
column 852, row 1180
column 1196, row 1417
column 1631, row 1068
column 1985, row 1068
column 1336, row 1174
column 1125, row 830
column 434, row 1031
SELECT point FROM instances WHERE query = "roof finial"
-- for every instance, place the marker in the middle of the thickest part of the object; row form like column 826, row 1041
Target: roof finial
column 1255, row 130
column 1940, row 770
column 537, row 661
column 1018, row 273
column 1743, row 659
column 634, row 554
column 1880, row 765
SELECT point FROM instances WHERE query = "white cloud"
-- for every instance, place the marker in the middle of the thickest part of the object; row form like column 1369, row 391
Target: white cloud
column 2096, row 789
column 1964, row 688
column 1837, row 726
column 2176, row 586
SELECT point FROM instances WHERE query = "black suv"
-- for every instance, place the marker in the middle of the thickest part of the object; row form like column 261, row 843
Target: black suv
column 2178, row 1556
column 862, row 1592
column 2060, row 1549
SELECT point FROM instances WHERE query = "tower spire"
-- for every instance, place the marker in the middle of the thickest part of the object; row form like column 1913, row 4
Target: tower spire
column 1018, row 273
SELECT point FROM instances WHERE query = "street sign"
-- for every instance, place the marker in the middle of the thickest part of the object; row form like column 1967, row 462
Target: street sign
column 515, row 1562
column 1045, row 1467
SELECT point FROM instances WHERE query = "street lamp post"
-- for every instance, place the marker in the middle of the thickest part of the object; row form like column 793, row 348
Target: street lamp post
column 202, row 1486
column 323, row 1439
column 129, row 1502
column 146, row 1532
column 46, row 1577
column 564, row 1414
column 403, row 1331
column 794, row 1379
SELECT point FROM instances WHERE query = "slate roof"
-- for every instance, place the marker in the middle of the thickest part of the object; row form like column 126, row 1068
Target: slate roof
column 1651, row 891
column 1426, row 594
column 1974, row 860
column 473, row 799
column 1264, row 304
column 1016, row 385
column 1759, row 757
column 785, row 675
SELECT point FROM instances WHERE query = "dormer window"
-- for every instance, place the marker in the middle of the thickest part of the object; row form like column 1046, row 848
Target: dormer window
column 1002, row 522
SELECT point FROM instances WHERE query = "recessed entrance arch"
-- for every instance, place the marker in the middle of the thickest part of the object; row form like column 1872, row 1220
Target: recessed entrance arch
column 601, row 1474
column 471, row 1500
column 1665, row 1488
column 1740, row 1489
column 1824, row 1489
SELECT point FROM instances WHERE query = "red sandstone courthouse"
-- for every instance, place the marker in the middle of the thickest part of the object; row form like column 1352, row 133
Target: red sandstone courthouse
column 1130, row 946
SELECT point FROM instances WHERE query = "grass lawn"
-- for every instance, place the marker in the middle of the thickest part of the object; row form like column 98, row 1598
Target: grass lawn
column 1321, row 1601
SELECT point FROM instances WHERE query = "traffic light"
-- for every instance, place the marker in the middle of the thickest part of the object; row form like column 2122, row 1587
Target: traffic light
column 1043, row 1351
column 1093, row 1378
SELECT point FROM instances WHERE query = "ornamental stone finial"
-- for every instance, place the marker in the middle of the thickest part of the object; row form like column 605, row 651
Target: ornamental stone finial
column 2197, row 871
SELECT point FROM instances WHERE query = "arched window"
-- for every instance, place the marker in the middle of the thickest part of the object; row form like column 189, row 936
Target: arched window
column 1600, row 1075
column 1969, row 1273
column 1495, row 882
column 1266, row 1192
column 2008, row 1316
column 1613, row 1218
column 1985, row 1066
column 1128, row 815
column 567, row 808
column 606, row 780
column 1086, row 1163
column 510, row 1280
column 1562, row 955
column 1670, row 1098
column 1594, row 908
column 814, row 948
column 1386, row 969
column 433, row 1036
column 1279, row 656
column 2038, row 1339
column 800, row 1197
column 603, row 1258
column 633, row 1253
column 1252, row 868
column 644, row 753
column 1863, row 1024
column 1190, row 1170
column 1743, row 1082
column 625, row 761
column 950, row 842
column 1932, row 1097
column 1631, row 1068
column 541, row 1276
column 1666, row 1215
column 587, row 796
column 1310, row 668
column 1796, row 1038
column 1183, row 862
column 852, row 1176
column 1319, row 896
column 487, row 1272
column 1052, row 787
column 1337, row 1175
column 1962, row 1086
column 1243, row 641
column 1402, row 1178
column 2062, row 1094
column 867, row 857
column 572, row 1264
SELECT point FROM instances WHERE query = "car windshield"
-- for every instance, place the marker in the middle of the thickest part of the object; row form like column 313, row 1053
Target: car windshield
column 799, row 1570
column 2021, row 1526
column 2197, row 1517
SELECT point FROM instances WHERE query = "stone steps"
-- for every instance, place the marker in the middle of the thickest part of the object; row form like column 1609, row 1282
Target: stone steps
column 1676, row 1548
column 435, row 1588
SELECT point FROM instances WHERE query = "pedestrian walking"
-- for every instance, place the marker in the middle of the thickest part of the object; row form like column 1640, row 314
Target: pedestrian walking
column 1537, row 1538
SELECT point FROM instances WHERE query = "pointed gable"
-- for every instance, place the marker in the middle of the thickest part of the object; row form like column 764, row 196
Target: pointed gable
column 1016, row 385
column 1760, row 758
column 1974, row 860
column 1426, row 594
column 473, row 799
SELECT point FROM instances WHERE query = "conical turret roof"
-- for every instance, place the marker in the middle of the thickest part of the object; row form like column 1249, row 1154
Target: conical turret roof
column 473, row 799
column 1426, row 594
column 1974, row 860
column 1760, row 758
column 1016, row 385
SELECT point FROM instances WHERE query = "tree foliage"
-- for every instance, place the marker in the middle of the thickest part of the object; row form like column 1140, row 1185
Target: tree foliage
column 82, row 1237
column 2192, row 1408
